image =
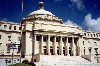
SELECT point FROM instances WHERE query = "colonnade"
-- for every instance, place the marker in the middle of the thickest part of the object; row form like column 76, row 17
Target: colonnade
column 63, row 49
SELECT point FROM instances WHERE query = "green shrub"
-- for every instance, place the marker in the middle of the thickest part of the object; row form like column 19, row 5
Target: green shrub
column 25, row 61
column 20, row 64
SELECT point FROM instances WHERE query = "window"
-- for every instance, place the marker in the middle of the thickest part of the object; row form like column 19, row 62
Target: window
column 38, row 38
column 96, row 51
column 84, row 50
column 90, row 51
column 94, row 35
column 19, row 28
column 97, row 35
column 8, row 49
column 95, row 43
column 9, row 38
column 44, row 38
column 10, row 27
column 83, row 42
column 88, row 35
column 0, row 36
column 14, row 27
column 85, row 34
column 5, row 26
column 91, row 35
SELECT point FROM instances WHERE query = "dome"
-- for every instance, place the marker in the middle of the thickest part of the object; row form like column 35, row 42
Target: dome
column 41, row 11
column 42, row 14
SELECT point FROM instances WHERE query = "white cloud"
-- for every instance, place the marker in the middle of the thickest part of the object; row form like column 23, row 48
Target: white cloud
column 92, row 24
column 71, row 23
column 78, row 3
column 4, row 19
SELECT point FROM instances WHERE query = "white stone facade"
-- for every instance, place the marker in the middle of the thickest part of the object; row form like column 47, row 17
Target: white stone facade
column 45, row 35
column 10, row 34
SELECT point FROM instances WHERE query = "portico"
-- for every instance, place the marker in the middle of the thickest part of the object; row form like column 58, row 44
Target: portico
column 57, row 45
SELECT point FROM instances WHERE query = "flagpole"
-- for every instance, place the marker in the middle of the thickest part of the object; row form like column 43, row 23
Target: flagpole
column 22, row 8
column 22, row 4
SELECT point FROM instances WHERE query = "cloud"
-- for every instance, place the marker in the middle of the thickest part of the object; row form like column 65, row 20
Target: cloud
column 78, row 3
column 71, row 23
column 92, row 24
column 4, row 19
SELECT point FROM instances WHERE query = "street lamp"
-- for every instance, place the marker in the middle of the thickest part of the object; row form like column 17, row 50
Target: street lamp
column 12, row 46
column 6, row 61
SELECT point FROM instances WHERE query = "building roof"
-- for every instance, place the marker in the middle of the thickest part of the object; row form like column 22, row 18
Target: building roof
column 41, row 11
column 42, row 14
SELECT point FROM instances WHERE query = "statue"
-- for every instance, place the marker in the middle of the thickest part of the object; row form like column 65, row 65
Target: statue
column 41, row 5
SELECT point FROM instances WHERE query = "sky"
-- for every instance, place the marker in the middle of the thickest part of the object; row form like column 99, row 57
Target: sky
column 82, row 13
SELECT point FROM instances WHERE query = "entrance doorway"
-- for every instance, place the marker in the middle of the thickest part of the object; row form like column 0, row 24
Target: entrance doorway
column 70, row 52
column 45, row 52
column 64, row 52
column 58, row 51
column 51, row 51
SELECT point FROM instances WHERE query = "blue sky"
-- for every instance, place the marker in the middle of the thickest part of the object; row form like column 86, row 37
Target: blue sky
column 85, row 13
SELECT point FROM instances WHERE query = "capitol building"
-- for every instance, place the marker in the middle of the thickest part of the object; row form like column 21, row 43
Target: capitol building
column 46, row 40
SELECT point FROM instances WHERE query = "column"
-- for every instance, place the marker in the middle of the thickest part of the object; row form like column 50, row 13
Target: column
column 61, row 47
column 55, row 46
column 67, row 46
column 92, row 54
column 41, row 46
column 34, row 45
column 81, row 48
column 73, row 47
column 48, row 45
column 77, row 48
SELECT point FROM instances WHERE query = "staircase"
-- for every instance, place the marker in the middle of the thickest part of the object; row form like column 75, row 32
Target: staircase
column 56, row 60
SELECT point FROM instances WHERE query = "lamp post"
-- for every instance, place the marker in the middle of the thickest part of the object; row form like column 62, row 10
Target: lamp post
column 6, row 61
column 12, row 56
column 12, row 47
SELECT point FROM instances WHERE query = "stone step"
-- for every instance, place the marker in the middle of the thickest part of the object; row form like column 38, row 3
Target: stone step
column 56, row 60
